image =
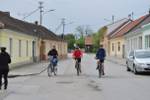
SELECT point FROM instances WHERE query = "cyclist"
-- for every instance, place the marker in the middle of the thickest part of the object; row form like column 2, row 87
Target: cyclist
column 77, row 54
column 54, row 54
column 100, row 55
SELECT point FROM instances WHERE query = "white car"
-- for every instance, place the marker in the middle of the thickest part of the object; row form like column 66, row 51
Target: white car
column 138, row 61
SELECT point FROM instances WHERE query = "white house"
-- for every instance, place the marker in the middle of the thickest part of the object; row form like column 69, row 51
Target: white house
column 146, row 36
column 137, row 37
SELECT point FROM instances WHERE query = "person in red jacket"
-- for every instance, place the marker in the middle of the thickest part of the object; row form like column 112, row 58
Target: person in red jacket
column 77, row 54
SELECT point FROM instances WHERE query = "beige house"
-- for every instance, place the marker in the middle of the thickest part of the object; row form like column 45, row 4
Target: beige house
column 27, row 42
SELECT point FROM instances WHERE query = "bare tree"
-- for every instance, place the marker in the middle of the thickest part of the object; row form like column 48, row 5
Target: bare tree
column 84, row 30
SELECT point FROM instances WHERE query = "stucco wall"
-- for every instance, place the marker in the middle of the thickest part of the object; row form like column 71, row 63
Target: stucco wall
column 16, row 36
column 116, row 52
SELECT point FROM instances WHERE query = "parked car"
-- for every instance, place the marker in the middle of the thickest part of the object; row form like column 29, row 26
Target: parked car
column 138, row 61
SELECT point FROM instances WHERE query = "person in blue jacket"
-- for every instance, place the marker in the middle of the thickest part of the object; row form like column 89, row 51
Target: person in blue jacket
column 100, row 55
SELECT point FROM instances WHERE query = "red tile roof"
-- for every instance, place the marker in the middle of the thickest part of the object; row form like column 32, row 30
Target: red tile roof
column 129, row 27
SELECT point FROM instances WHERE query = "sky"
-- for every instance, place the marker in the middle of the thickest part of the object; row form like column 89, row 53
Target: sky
column 91, row 13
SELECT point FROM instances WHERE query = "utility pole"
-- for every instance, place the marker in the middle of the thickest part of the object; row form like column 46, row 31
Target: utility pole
column 113, row 18
column 132, row 14
column 63, row 24
column 41, row 11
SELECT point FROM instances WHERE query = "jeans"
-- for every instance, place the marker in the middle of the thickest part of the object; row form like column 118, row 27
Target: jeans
column 4, row 75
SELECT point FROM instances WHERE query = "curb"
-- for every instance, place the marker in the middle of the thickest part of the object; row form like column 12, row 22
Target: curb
column 116, row 62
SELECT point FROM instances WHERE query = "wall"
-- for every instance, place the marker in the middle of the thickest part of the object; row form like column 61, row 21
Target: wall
column 23, row 57
column 116, row 52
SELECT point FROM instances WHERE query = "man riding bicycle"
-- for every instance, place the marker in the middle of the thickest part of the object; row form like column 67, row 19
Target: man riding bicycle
column 77, row 54
column 53, row 54
column 100, row 55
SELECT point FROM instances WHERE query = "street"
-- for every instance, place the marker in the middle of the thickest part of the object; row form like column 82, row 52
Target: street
column 117, row 84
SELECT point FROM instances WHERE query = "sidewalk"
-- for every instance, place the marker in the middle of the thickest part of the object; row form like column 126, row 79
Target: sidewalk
column 116, row 60
column 29, row 69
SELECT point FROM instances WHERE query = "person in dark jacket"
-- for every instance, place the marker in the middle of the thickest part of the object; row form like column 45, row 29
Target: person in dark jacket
column 54, row 54
column 4, row 67
column 100, row 55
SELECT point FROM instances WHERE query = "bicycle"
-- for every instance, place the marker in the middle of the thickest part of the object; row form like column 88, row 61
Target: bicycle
column 52, row 67
column 78, row 67
column 100, row 69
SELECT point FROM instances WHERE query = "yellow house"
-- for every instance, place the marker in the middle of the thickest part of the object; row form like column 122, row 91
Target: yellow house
column 117, row 47
column 27, row 42
column 21, row 47
column 111, row 28
column 117, row 39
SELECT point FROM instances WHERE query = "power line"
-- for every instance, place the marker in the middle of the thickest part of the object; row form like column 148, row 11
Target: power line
column 59, row 26
column 30, row 14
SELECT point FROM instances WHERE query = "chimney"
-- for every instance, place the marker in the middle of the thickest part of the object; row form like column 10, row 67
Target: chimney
column 36, row 23
column 5, row 13
column 129, row 16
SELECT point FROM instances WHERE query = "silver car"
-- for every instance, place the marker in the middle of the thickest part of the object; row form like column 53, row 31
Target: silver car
column 138, row 61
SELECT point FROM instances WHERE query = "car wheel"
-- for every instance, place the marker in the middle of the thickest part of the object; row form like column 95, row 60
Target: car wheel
column 128, row 69
column 134, row 70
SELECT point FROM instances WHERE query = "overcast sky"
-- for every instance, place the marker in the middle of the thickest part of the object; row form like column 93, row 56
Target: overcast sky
column 80, row 12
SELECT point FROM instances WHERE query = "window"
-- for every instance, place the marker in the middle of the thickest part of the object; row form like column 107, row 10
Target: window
column 131, row 54
column 147, row 41
column 10, row 46
column 27, row 47
column 112, row 46
column 118, row 46
column 140, row 42
column 19, row 48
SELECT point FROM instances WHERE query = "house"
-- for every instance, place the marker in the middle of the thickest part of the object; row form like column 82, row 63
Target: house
column 117, row 40
column 135, row 39
column 146, row 36
column 111, row 28
column 27, row 42
column 88, row 43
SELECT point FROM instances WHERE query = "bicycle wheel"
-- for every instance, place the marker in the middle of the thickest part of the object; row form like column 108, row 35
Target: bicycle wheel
column 100, row 70
column 55, row 70
column 78, row 69
column 49, row 70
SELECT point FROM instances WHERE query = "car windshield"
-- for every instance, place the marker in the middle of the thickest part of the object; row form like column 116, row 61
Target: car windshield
column 142, row 54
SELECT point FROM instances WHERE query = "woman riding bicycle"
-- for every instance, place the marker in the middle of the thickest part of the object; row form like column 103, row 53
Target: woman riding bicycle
column 77, row 54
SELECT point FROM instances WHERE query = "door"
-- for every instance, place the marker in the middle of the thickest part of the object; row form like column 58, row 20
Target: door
column 42, row 51
column 33, row 51
column 123, row 51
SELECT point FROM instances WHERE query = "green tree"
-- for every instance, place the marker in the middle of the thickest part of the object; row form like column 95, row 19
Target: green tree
column 70, row 38
column 80, row 42
column 97, row 37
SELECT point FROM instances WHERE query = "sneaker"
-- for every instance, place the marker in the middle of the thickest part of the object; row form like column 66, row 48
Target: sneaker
column 5, row 87
column 97, row 68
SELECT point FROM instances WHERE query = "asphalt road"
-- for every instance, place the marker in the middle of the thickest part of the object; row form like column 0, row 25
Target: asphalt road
column 117, row 84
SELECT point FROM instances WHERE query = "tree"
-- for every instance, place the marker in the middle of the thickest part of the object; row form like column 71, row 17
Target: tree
column 84, row 30
column 80, row 31
column 80, row 42
column 70, row 38
column 97, row 37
